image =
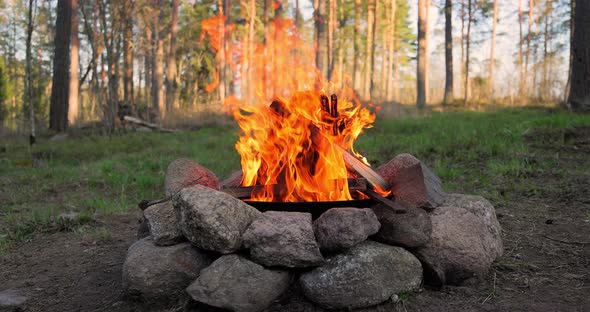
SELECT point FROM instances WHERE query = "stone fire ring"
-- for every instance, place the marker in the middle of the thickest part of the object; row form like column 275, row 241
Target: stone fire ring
column 209, row 247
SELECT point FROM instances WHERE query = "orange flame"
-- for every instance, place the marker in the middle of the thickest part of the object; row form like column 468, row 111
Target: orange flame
column 291, row 144
column 290, row 150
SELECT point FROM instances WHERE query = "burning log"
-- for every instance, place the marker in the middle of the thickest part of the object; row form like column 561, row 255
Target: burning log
column 329, row 105
column 334, row 106
column 354, row 163
column 325, row 104
column 244, row 192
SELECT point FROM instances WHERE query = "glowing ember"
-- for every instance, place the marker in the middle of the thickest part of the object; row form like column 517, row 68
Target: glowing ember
column 292, row 144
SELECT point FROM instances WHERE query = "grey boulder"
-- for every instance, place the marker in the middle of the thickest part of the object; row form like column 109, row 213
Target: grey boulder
column 154, row 272
column 410, row 229
column 486, row 212
column 235, row 283
column 212, row 220
column 163, row 224
column 367, row 274
column 462, row 246
column 341, row 228
column 184, row 172
column 283, row 239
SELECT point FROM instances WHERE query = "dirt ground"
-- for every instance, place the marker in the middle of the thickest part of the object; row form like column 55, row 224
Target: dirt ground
column 545, row 266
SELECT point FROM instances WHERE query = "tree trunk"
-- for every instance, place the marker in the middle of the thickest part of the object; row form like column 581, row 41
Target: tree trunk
column 520, row 54
column 29, row 80
column 58, row 111
column 391, row 53
column 148, row 58
column 341, row 47
column 221, row 53
column 463, row 15
column 227, row 74
column 297, row 15
column 385, row 36
column 374, row 40
column 529, row 37
column 545, row 87
column 356, row 46
column 579, row 98
column 492, row 50
column 73, row 108
column 92, row 36
column 330, row 43
column 112, row 60
column 422, row 68
column 366, row 94
column 566, row 92
column 157, row 59
column 448, row 51
column 266, row 22
column 171, row 69
column 245, row 64
column 128, row 96
column 321, row 58
column 467, row 46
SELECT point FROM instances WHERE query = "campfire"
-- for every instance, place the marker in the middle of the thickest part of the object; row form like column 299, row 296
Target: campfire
column 306, row 213
column 301, row 151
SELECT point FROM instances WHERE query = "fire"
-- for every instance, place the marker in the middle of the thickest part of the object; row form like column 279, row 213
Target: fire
column 290, row 147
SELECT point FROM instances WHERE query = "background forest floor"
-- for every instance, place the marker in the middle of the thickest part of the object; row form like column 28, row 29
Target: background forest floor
column 533, row 165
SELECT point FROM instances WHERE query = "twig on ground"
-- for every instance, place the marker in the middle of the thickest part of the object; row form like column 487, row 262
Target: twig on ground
column 564, row 241
column 492, row 293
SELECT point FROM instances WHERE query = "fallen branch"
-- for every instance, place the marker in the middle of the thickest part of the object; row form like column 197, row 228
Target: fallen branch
column 144, row 123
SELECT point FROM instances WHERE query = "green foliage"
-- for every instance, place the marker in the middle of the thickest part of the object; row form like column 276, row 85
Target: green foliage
column 197, row 51
column 5, row 90
column 405, row 36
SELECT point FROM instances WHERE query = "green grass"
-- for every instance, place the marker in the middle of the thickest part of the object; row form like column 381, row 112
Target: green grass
column 469, row 150
column 474, row 152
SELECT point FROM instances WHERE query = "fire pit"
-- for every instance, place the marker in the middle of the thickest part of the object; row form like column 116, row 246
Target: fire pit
column 307, row 213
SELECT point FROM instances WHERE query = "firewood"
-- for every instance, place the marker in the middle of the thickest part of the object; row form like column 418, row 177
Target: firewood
column 334, row 106
column 413, row 182
column 390, row 204
column 233, row 180
column 242, row 192
column 318, row 138
column 325, row 103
